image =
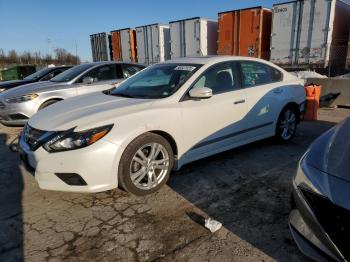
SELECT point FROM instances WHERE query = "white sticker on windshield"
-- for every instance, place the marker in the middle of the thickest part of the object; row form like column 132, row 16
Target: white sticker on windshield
column 185, row 68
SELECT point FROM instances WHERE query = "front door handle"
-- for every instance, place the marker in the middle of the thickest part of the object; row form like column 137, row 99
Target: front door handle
column 239, row 102
column 277, row 90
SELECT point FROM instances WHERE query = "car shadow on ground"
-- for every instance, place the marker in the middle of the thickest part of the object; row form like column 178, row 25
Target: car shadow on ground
column 248, row 190
column 11, row 221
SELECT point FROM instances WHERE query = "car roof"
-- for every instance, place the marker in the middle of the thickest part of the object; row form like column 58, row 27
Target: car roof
column 111, row 62
column 212, row 59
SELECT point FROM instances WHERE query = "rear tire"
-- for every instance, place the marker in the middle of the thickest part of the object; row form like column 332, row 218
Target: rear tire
column 146, row 164
column 48, row 103
column 286, row 124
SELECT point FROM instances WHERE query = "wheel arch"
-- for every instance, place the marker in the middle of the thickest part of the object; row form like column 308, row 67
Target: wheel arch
column 57, row 99
column 169, row 138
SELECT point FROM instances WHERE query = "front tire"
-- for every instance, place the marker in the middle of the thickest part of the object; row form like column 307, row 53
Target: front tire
column 146, row 164
column 286, row 124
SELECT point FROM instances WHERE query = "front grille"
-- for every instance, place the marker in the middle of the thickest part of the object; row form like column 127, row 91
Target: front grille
column 31, row 135
column 334, row 219
column 18, row 117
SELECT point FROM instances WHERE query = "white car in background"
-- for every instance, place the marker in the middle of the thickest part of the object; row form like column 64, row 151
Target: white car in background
column 165, row 116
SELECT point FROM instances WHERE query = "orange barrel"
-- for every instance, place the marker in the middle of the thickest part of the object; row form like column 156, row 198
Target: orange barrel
column 313, row 93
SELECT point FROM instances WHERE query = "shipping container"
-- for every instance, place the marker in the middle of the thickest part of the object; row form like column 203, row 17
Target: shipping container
column 17, row 72
column 153, row 43
column 128, row 44
column 101, row 47
column 310, row 33
column 193, row 37
column 245, row 32
column 116, row 46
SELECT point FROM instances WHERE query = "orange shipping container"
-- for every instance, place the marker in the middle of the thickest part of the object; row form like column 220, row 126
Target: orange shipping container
column 116, row 46
column 245, row 32
column 124, row 45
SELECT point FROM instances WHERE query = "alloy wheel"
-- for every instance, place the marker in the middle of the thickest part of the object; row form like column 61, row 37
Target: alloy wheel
column 149, row 166
column 288, row 124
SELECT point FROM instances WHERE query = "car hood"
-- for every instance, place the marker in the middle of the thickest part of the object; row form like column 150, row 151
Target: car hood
column 32, row 88
column 85, row 111
column 330, row 154
column 13, row 83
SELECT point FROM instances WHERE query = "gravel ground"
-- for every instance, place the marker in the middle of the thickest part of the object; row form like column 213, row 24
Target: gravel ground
column 247, row 189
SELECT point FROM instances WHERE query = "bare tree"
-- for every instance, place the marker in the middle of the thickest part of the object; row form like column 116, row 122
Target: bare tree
column 12, row 57
column 61, row 57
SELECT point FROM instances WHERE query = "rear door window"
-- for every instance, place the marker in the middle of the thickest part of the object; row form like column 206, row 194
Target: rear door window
column 255, row 74
column 104, row 73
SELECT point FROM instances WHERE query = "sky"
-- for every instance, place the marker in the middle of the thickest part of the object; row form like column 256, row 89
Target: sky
column 34, row 25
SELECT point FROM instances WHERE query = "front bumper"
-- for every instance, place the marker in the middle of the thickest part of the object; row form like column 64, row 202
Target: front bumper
column 17, row 114
column 96, row 164
column 308, row 233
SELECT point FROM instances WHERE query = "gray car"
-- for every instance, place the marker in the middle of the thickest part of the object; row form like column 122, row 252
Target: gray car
column 320, row 219
column 18, row 104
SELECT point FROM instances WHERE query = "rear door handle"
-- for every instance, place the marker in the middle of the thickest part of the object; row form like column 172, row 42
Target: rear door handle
column 239, row 102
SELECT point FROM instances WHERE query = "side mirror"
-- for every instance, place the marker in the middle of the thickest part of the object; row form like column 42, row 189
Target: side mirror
column 88, row 80
column 201, row 93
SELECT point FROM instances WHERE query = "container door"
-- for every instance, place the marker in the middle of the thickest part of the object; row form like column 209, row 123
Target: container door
column 249, row 32
column 177, row 40
column 161, row 43
column 116, row 46
column 284, row 33
column 132, row 44
column 313, row 31
column 125, row 43
column 226, row 33
column 154, row 43
column 193, row 37
column 141, row 44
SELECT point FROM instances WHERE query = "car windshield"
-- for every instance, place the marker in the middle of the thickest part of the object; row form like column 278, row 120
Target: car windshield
column 39, row 74
column 157, row 81
column 71, row 73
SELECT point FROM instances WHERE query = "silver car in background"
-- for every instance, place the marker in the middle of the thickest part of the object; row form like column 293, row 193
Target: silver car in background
column 18, row 104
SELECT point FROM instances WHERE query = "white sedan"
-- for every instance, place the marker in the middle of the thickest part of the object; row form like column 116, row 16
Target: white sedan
column 163, row 117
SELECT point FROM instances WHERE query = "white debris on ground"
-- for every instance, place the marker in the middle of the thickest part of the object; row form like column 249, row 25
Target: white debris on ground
column 212, row 224
column 344, row 76
column 307, row 74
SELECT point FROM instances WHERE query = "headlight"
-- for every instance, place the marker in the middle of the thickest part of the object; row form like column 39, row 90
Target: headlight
column 23, row 98
column 70, row 140
column 310, row 177
column 2, row 90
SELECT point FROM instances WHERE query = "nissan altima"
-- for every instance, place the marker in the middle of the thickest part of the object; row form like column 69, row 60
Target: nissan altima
column 320, row 219
column 165, row 116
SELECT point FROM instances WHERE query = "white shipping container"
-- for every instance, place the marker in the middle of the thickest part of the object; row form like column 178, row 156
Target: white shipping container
column 101, row 47
column 193, row 37
column 309, row 32
column 153, row 43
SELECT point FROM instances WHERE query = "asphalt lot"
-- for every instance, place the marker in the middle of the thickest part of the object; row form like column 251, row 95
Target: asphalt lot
column 247, row 189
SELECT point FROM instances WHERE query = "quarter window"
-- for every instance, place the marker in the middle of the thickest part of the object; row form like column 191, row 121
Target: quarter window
column 255, row 74
column 220, row 78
